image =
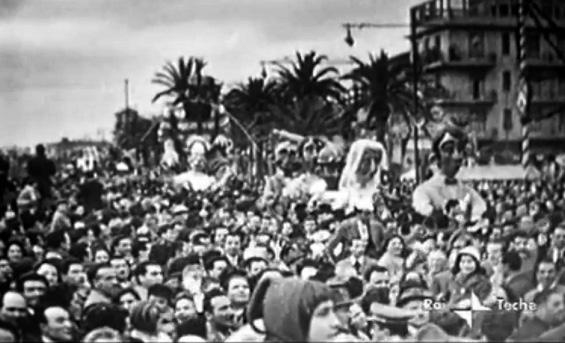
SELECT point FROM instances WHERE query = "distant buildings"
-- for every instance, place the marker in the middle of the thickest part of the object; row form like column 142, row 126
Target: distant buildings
column 469, row 47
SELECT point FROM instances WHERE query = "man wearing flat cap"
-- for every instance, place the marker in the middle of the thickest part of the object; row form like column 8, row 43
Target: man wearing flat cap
column 432, row 197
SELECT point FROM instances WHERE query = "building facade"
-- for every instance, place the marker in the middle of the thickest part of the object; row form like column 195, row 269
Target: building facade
column 469, row 47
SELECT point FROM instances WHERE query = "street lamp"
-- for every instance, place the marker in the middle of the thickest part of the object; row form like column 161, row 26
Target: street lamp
column 360, row 26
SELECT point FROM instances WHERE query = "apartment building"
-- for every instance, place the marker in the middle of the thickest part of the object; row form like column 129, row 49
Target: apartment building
column 469, row 47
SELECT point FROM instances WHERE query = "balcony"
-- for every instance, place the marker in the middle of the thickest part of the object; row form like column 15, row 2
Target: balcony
column 544, row 63
column 434, row 15
column 456, row 99
column 435, row 60
column 548, row 100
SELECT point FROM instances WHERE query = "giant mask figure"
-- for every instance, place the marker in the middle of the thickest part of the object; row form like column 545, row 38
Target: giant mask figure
column 437, row 195
column 365, row 164
column 197, row 148
column 286, row 154
column 170, row 158
column 196, row 177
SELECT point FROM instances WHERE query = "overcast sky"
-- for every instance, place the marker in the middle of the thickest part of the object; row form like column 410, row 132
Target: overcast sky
column 63, row 62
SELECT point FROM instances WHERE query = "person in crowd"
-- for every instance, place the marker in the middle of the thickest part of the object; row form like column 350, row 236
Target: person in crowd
column 549, row 313
column 127, row 298
column 55, row 324
column 147, row 274
column 144, row 320
column 358, row 260
column 155, row 262
column 220, row 318
column 104, row 284
column 546, row 276
column 33, row 286
column 362, row 226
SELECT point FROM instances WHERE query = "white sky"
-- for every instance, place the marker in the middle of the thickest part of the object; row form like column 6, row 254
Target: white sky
column 63, row 62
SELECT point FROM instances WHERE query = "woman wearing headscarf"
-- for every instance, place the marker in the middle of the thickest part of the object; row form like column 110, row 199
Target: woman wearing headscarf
column 468, row 278
column 294, row 310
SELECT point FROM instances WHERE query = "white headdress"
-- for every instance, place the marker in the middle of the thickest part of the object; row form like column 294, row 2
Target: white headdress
column 348, row 176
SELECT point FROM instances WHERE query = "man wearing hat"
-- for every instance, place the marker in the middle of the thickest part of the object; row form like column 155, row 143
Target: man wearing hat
column 433, row 195
column 362, row 227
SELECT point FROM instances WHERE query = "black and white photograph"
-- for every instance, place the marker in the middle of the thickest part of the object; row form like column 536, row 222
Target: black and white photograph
column 282, row 171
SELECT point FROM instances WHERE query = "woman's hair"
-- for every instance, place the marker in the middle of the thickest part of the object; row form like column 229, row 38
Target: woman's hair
column 387, row 242
column 52, row 262
column 144, row 317
column 478, row 268
column 124, row 291
column 103, row 334
column 19, row 244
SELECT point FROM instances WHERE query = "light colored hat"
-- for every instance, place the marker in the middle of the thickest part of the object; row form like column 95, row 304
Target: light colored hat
column 472, row 251
column 179, row 209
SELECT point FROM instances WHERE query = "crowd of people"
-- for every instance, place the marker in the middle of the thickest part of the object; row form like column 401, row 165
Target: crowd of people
column 106, row 256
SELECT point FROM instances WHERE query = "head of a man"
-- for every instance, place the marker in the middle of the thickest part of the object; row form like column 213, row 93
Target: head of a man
column 237, row 287
column 232, row 246
column 104, row 280
column 73, row 272
column 255, row 266
column 550, row 307
column 494, row 252
column 149, row 273
column 216, row 266
column 546, row 273
column 218, row 309
column 519, row 243
column 14, row 308
column 55, row 324
column 358, row 247
column 123, row 246
column 33, row 286
column 122, row 268
column 558, row 237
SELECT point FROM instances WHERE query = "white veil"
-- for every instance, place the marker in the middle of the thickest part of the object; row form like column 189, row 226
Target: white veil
column 351, row 193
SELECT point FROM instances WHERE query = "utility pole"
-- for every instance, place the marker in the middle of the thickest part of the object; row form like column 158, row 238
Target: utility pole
column 126, row 90
column 415, row 101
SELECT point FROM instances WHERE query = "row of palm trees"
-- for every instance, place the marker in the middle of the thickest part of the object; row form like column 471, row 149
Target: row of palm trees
column 306, row 97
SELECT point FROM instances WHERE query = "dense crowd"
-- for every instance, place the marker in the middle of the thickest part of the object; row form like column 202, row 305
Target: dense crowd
column 108, row 256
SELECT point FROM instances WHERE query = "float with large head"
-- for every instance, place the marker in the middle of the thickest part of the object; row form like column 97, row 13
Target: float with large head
column 449, row 148
column 197, row 147
column 366, row 163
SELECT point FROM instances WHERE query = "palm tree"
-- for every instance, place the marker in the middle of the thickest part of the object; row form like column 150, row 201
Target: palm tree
column 309, row 117
column 187, row 85
column 249, row 102
column 385, row 87
column 307, row 78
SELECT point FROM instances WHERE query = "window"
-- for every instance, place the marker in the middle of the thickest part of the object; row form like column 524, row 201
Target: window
column 478, row 122
column 505, row 44
column 506, row 81
column 437, row 42
column 561, row 86
column 562, row 122
column 507, row 120
column 504, row 10
column 533, row 45
column 476, row 89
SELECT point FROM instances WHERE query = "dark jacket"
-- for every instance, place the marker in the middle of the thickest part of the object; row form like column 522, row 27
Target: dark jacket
column 461, row 287
column 348, row 231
